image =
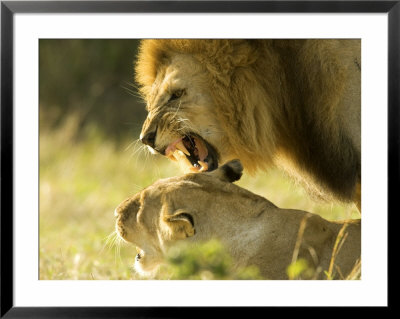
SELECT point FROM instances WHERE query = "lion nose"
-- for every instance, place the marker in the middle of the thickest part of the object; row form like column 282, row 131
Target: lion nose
column 149, row 139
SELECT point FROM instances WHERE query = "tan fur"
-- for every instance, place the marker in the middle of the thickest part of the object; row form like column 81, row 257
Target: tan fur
column 199, row 207
column 293, row 103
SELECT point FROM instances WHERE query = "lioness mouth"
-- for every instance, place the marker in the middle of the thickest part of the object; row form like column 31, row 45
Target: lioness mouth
column 194, row 152
column 139, row 254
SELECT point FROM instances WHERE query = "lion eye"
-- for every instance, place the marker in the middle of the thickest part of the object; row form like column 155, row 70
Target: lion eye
column 176, row 95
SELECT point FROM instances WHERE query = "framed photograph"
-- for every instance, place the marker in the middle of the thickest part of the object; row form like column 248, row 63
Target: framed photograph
column 78, row 83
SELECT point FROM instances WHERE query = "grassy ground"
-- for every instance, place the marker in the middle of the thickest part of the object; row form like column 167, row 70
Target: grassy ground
column 83, row 180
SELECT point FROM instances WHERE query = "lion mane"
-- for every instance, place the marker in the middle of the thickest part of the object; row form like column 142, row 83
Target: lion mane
column 293, row 103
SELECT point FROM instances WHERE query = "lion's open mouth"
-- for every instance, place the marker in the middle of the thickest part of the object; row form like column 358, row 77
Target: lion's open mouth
column 193, row 152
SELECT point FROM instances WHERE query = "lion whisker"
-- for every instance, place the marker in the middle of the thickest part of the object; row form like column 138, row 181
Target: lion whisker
column 131, row 92
column 135, row 92
column 177, row 109
column 139, row 148
column 132, row 85
column 132, row 144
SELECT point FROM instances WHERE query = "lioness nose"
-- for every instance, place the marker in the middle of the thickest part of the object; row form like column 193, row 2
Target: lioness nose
column 149, row 139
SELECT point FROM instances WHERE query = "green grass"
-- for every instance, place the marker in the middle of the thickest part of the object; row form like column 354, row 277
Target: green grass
column 82, row 180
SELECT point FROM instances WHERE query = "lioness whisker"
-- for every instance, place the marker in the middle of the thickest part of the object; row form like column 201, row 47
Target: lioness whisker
column 116, row 244
column 109, row 241
column 110, row 238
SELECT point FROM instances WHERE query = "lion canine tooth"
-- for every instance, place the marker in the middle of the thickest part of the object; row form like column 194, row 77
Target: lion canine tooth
column 181, row 157
column 182, row 148
column 179, row 153
column 204, row 166
column 171, row 156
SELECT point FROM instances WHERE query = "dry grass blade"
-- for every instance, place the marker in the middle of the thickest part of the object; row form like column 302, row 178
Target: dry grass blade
column 340, row 239
column 355, row 273
column 299, row 239
column 298, row 266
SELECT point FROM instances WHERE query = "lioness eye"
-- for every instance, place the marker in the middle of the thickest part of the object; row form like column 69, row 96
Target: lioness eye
column 176, row 95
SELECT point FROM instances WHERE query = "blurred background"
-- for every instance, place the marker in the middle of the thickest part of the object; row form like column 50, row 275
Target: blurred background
column 91, row 160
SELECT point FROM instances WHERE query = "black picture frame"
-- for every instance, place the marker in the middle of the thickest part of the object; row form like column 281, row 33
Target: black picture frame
column 9, row 8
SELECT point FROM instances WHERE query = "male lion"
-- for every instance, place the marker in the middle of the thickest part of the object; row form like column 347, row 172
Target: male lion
column 198, row 207
column 294, row 103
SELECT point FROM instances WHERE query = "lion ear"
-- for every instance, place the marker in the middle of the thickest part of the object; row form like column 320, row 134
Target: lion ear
column 180, row 224
column 229, row 172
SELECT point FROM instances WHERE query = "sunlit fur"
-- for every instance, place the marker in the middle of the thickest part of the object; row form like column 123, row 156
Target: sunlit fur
column 293, row 103
column 198, row 207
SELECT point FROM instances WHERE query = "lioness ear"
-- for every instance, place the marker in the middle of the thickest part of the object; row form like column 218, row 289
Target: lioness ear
column 180, row 224
column 229, row 172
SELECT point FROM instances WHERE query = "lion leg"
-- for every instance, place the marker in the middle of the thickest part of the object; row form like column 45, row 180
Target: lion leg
column 357, row 196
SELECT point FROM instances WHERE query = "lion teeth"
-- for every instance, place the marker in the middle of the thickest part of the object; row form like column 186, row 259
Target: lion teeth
column 171, row 156
column 182, row 148
column 200, row 166
column 179, row 153
column 181, row 157
column 204, row 166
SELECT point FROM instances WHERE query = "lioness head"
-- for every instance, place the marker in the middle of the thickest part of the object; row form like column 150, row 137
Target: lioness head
column 181, row 208
column 198, row 207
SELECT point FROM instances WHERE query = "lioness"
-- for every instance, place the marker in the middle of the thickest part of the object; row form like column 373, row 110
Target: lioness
column 294, row 103
column 199, row 207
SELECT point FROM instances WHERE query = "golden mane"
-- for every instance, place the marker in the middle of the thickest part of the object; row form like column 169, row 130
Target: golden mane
column 216, row 55
column 278, row 99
